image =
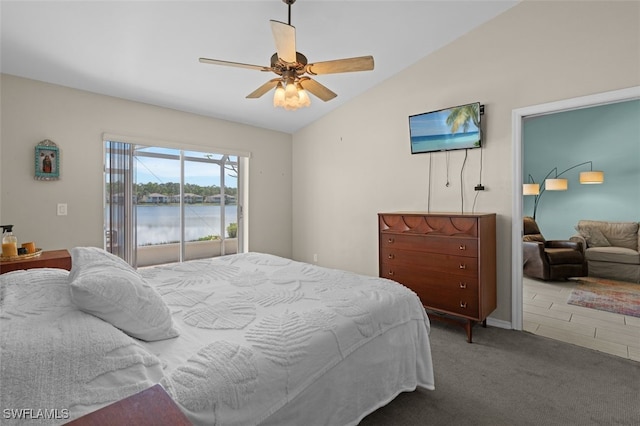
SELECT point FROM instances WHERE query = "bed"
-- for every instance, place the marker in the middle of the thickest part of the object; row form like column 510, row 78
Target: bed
column 245, row 339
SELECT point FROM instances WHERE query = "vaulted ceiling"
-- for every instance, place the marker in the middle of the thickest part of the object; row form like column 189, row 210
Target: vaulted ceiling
column 148, row 51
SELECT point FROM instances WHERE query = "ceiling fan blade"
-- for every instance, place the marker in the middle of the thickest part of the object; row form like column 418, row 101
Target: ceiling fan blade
column 234, row 64
column 317, row 89
column 263, row 89
column 361, row 63
column 284, row 36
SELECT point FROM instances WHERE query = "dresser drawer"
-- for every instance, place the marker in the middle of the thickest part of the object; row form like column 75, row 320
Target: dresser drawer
column 430, row 244
column 428, row 262
column 461, row 305
column 413, row 277
column 444, row 292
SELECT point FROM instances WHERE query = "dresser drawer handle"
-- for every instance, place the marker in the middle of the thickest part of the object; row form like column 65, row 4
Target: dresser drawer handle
column 463, row 304
column 391, row 240
column 391, row 273
column 463, row 266
column 463, row 285
column 391, row 256
column 462, row 247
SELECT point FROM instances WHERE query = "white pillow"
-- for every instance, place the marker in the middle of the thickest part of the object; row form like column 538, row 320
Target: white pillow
column 106, row 286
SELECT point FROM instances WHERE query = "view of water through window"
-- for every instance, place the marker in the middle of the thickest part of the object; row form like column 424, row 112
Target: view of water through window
column 160, row 224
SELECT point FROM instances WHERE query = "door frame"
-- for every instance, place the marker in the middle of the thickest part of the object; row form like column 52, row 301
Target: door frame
column 517, row 120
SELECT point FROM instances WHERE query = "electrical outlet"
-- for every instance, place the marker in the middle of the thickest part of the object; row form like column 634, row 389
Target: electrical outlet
column 62, row 209
column 315, row 257
column 479, row 187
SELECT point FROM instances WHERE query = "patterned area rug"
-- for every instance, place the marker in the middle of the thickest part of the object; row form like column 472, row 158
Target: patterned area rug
column 607, row 295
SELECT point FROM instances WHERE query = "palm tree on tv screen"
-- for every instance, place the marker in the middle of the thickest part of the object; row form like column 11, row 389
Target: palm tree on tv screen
column 462, row 116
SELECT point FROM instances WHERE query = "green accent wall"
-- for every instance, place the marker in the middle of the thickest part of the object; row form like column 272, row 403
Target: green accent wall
column 608, row 135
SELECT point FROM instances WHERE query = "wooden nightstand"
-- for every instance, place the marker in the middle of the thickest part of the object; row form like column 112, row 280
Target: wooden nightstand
column 151, row 407
column 60, row 259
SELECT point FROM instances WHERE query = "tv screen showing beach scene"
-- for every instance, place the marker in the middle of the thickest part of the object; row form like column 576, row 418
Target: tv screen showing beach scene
column 446, row 129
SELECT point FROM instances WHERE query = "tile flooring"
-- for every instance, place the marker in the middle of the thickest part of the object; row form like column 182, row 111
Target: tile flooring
column 546, row 313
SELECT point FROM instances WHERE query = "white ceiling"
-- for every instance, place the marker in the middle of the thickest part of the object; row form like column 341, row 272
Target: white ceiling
column 148, row 51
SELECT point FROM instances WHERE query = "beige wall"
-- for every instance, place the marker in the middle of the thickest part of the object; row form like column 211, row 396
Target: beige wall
column 356, row 162
column 76, row 120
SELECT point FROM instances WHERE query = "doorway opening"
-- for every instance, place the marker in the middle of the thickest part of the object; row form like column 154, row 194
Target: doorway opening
column 518, row 117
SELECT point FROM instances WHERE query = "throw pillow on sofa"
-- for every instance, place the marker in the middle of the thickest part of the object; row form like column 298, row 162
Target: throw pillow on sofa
column 593, row 236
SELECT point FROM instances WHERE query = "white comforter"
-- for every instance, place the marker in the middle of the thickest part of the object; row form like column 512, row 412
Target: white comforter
column 264, row 340
column 56, row 362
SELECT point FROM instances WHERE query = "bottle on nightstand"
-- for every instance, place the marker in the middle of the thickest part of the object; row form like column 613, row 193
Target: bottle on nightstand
column 9, row 241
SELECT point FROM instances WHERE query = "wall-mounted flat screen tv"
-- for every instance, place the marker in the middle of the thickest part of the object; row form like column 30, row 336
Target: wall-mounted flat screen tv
column 446, row 129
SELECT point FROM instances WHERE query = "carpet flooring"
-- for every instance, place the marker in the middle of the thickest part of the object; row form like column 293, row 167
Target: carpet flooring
column 508, row 377
column 607, row 295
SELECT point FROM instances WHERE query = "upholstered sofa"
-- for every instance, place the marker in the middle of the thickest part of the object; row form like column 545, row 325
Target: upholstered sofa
column 612, row 249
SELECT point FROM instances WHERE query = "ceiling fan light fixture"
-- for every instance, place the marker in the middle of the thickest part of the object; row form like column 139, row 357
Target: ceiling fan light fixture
column 290, row 93
column 303, row 95
column 278, row 97
column 290, row 96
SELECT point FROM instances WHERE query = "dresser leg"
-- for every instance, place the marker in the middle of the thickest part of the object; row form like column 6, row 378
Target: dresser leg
column 467, row 324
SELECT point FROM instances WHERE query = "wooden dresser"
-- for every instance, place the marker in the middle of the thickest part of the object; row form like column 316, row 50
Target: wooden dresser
column 448, row 259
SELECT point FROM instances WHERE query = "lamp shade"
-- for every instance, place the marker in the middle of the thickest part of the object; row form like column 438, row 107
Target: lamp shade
column 530, row 189
column 556, row 184
column 591, row 177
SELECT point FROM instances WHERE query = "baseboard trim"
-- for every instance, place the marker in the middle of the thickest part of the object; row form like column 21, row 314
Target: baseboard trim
column 499, row 323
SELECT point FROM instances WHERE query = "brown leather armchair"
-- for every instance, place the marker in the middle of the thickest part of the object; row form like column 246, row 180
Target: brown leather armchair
column 550, row 260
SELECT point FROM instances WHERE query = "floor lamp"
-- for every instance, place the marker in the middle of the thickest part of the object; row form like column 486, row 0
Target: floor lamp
column 557, row 184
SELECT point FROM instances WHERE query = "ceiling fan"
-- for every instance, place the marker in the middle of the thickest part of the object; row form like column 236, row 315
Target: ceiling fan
column 293, row 69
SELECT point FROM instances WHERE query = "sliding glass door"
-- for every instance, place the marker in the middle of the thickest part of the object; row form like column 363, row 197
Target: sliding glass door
column 178, row 205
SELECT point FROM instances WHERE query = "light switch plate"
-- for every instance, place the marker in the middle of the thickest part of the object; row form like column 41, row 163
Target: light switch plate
column 62, row 209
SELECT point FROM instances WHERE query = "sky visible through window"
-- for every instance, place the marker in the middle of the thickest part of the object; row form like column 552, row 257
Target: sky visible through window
column 161, row 170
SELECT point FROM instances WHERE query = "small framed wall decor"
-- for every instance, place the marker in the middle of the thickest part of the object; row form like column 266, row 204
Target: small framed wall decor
column 47, row 161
